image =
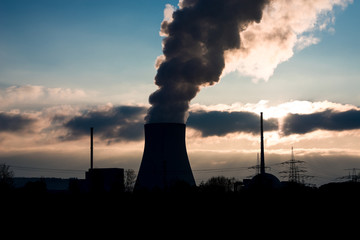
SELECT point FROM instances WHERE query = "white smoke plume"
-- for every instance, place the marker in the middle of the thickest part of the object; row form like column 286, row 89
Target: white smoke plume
column 286, row 26
column 206, row 39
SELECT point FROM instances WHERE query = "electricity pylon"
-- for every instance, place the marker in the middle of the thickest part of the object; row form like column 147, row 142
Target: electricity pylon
column 353, row 175
column 294, row 173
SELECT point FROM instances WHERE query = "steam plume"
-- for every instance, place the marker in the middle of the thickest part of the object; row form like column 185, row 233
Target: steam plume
column 198, row 34
column 206, row 39
column 287, row 26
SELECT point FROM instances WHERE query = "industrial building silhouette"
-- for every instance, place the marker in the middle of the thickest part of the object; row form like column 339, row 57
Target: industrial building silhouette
column 165, row 162
column 99, row 180
column 263, row 180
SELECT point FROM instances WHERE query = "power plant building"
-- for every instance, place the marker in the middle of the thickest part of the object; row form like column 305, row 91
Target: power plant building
column 100, row 180
column 105, row 180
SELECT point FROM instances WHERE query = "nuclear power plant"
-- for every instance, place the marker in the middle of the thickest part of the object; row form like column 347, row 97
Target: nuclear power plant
column 165, row 161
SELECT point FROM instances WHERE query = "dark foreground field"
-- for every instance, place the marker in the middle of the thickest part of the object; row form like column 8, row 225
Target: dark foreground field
column 326, row 210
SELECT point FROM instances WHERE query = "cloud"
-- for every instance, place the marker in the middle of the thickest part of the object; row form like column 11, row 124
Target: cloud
column 326, row 120
column 221, row 144
column 286, row 25
column 15, row 123
column 125, row 123
column 220, row 123
column 287, row 118
column 122, row 123
column 25, row 96
column 306, row 41
column 276, row 111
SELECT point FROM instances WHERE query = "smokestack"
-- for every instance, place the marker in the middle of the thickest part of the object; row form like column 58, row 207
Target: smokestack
column 91, row 147
column 165, row 161
column 262, row 159
column 263, row 181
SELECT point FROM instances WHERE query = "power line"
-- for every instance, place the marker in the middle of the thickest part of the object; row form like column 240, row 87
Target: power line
column 53, row 170
column 220, row 169
column 353, row 175
column 198, row 171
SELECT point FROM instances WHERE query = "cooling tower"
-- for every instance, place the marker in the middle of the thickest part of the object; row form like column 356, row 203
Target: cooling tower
column 165, row 161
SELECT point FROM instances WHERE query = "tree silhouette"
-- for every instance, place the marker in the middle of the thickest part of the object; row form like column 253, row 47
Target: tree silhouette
column 6, row 177
column 219, row 184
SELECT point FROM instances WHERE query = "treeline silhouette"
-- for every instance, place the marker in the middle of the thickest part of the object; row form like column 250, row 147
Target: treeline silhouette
column 215, row 206
column 215, row 188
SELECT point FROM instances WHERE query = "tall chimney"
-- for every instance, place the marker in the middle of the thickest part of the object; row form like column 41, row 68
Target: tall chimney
column 91, row 147
column 262, row 156
column 263, row 181
column 165, row 161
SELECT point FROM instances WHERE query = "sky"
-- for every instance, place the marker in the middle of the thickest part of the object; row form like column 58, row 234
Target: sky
column 68, row 65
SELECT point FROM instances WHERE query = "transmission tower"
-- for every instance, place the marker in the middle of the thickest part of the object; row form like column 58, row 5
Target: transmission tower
column 294, row 173
column 353, row 175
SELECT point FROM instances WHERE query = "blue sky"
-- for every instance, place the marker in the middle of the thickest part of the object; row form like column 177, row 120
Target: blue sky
column 110, row 46
column 80, row 44
column 67, row 59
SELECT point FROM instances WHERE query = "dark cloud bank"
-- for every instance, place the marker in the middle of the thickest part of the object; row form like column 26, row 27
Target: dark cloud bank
column 125, row 123
column 326, row 120
column 221, row 123
column 15, row 123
